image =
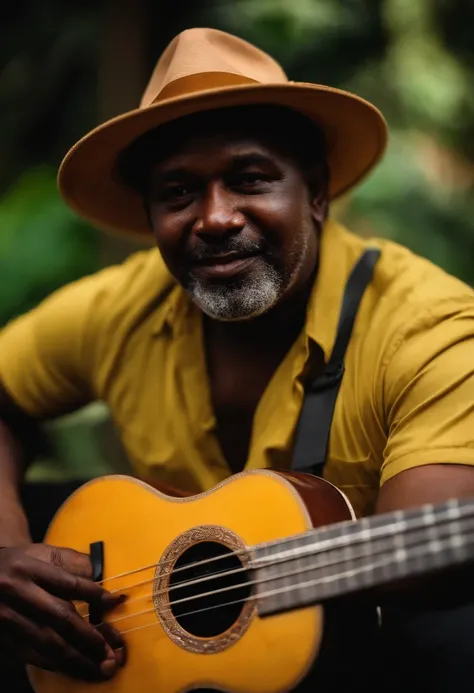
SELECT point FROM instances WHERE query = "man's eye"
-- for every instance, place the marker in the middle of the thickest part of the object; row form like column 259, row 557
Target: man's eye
column 176, row 192
column 248, row 182
column 248, row 179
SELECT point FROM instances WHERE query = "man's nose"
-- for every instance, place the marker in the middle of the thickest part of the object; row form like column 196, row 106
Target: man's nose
column 218, row 215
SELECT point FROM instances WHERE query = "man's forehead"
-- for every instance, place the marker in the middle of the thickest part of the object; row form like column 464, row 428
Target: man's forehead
column 225, row 128
column 223, row 148
column 272, row 131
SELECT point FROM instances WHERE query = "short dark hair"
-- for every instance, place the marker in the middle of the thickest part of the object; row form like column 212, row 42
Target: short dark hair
column 293, row 133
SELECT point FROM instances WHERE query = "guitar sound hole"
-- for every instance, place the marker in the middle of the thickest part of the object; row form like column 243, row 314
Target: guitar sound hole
column 207, row 612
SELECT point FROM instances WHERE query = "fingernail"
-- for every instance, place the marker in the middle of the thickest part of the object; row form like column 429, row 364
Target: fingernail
column 120, row 598
column 108, row 667
column 109, row 653
column 111, row 636
column 120, row 656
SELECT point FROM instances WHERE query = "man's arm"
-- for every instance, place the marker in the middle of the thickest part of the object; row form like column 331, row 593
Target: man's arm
column 426, row 405
column 421, row 647
column 47, row 360
column 14, row 426
column 13, row 522
column 428, row 398
column 47, row 369
column 432, row 483
column 429, row 413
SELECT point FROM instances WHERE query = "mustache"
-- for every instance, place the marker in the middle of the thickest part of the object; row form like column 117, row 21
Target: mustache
column 205, row 251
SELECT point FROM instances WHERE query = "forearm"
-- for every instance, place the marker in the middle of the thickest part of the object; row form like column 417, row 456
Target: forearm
column 413, row 488
column 13, row 523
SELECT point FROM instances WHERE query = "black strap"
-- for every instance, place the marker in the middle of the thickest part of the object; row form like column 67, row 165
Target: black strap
column 314, row 426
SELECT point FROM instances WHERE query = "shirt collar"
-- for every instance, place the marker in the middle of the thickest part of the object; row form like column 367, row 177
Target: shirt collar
column 171, row 310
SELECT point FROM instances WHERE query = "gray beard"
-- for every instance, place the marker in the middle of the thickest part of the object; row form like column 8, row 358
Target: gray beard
column 258, row 292
column 251, row 297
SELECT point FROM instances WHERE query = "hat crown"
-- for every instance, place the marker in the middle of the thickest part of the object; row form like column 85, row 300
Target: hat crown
column 201, row 53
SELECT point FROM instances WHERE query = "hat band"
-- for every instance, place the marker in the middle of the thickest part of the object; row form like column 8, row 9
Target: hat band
column 201, row 81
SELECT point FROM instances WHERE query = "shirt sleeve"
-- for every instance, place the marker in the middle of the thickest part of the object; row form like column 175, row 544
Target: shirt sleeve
column 46, row 354
column 429, row 392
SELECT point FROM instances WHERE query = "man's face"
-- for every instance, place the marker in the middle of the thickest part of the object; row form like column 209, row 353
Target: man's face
column 235, row 221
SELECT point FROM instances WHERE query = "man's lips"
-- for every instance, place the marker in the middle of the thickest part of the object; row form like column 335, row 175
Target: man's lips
column 225, row 265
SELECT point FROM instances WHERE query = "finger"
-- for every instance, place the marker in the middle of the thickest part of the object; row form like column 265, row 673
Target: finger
column 68, row 559
column 69, row 586
column 62, row 616
column 14, row 648
column 116, row 642
column 51, row 647
column 72, row 561
column 30, row 656
column 74, row 666
column 79, row 631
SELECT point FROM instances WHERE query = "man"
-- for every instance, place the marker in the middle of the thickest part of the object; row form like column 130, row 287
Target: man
column 203, row 348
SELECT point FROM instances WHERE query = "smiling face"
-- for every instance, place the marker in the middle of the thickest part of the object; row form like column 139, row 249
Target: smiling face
column 234, row 213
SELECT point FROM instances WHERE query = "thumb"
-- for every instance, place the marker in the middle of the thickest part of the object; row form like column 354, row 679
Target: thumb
column 73, row 561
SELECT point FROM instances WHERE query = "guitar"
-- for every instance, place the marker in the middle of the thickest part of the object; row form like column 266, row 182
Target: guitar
column 225, row 588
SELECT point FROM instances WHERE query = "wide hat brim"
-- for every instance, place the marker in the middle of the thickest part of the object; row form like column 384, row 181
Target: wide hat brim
column 354, row 129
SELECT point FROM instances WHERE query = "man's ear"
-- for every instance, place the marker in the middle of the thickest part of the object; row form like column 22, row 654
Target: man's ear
column 320, row 205
column 317, row 179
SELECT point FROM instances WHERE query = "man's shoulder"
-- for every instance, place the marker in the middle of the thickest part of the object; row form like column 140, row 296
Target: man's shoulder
column 109, row 303
column 415, row 306
column 409, row 282
column 405, row 283
column 143, row 273
column 130, row 287
column 408, row 298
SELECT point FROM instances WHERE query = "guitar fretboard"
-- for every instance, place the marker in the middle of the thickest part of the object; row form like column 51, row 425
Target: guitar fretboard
column 352, row 556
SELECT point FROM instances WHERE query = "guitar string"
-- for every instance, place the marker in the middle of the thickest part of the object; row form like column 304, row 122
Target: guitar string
column 249, row 583
column 345, row 540
column 441, row 544
column 196, row 564
column 331, row 546
column 184, row 583
column 446, row 507
column 161, row 563
column 243, row 569
column 281, row 590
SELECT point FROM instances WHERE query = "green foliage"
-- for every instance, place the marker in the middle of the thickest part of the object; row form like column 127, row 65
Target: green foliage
column 400, row 203
column 43, row 245
column 315, row 40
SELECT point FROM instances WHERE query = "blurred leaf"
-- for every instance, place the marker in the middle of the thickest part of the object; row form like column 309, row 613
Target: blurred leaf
column 43, row 245
column 400, row 203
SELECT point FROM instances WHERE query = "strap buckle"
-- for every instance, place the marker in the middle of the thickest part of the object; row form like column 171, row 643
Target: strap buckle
column 329, row 377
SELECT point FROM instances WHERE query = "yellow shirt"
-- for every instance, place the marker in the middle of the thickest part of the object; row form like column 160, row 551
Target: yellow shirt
column 130, row 336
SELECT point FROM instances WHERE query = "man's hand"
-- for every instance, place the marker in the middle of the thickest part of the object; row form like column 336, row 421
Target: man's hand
column 39, row 623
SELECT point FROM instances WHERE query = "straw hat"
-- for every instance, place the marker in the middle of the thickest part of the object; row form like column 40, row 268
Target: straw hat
column 203, row 69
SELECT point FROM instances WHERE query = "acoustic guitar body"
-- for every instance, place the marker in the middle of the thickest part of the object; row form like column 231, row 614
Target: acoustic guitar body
column 178, row 639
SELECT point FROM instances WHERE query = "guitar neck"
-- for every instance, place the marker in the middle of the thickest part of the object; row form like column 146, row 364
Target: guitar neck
column 351, row 557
